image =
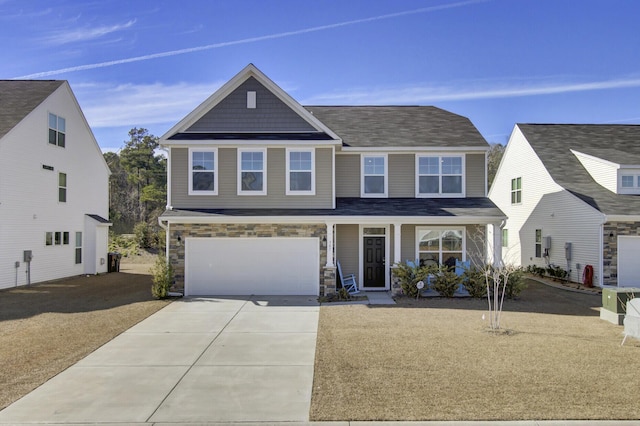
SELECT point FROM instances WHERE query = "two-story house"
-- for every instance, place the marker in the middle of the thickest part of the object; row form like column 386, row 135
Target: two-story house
column 54, row 186
column 572, row 195
column 265, row 195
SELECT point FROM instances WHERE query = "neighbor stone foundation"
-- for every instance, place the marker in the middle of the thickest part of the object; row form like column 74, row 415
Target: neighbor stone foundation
column 327, row 276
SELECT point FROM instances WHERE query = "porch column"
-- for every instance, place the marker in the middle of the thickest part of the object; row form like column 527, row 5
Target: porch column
column 397, row 246
column 497, row 244
column 330, row 259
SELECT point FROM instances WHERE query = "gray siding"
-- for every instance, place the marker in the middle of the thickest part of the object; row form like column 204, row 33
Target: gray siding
column 408, row 243
column 475, row 174
column 232, row 114
column 348, row 175
column 402, row 175
column 227, row 183
column 347, row 249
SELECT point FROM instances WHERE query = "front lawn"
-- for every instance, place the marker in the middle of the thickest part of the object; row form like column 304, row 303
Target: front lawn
column 433, row 359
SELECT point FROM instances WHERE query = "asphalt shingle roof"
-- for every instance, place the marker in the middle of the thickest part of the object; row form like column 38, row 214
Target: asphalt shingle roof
column 410, row 207
column 410, row 126
column 618, row 143
column 19, row 97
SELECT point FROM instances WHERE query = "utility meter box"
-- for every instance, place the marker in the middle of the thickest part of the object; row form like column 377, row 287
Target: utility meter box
column 546, row 241
column 567, row 251
column 27, row 256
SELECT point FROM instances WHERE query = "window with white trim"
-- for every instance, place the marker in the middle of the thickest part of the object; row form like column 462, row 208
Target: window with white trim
column 62, row 187
column 505, row 238
column 203, row 166
column 439, row 175
column 78, row 251
column 629, row 181
column 252, row 171
column 57, row 130
column 374, row 181
column 300, row 171
column 516, row 190
column 538, row 246
column 435, row 246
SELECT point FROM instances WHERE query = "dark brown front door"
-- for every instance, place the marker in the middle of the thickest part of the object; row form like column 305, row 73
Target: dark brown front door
column 374, row 262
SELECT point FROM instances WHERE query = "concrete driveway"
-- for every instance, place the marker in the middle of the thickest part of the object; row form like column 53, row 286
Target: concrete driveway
column 231, row 359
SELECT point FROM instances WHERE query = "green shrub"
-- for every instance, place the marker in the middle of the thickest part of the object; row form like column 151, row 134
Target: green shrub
column 409, row 276
column 515, row 283
column 475, row 283
column 536, row 270
column 162, row 276
column 143, row 234
column 445, row 282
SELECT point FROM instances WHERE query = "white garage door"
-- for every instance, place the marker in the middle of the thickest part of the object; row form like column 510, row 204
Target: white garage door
column 243, row 266
column 628, row 261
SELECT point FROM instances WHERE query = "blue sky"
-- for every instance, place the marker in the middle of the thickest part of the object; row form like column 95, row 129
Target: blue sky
column 498, row 62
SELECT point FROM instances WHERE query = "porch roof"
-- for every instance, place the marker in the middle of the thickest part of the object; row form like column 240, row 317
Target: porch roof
column 480, row 207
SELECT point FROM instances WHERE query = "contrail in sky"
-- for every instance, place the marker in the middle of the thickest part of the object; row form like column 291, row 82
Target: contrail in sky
column 246, row 40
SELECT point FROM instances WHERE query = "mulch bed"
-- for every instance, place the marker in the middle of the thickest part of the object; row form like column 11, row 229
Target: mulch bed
column 45, row 328
column 434, row 359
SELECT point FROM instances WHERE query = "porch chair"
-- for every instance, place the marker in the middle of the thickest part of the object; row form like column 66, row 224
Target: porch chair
column 460, row 268
column 348, row 281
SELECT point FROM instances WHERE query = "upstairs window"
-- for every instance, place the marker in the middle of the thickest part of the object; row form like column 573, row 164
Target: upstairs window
column 252, row 175
column 439, row 176
column 62, row 187
column 374, row 176
column 629, row 181
column 203, row 166
column 57, row 130
column 516, row 190
column 300, row 172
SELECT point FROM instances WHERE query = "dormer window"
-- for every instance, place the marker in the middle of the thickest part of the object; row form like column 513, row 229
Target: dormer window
column 629, row 181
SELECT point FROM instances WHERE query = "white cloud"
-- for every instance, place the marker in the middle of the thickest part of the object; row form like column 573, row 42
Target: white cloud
column 420, row 95
column 86, row 33
column 140, row 105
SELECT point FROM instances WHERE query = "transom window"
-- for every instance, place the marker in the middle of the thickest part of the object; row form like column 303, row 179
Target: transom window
column 374, row 176
column 62, row 187
column 203, row 164
column 439, row 175
column 440, row 246
column 57, row 130
column 300, row 172
column 252, row 175
column 516, row 190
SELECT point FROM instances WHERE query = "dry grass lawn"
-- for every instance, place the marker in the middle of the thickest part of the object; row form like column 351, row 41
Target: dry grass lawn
column 434, row 359
column 48, row 327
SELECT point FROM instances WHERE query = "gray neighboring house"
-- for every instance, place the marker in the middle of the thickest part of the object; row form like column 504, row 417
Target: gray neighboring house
column 265, row 196
column 572, row 195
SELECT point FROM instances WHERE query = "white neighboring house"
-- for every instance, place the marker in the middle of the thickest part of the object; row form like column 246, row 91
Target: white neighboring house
column 572, row 195
column 54, row 186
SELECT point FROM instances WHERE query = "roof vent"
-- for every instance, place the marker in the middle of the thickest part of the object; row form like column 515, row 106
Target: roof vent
column 251, row 100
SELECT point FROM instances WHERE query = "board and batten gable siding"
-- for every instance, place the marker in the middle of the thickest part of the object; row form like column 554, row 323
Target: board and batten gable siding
column 29, row 204
column 546, row 206
column 232, row 114
column 602, row 171
column 228, row 183
column 475, row 175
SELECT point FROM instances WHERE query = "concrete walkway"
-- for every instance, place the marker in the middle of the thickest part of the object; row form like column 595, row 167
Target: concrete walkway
column 197, row 360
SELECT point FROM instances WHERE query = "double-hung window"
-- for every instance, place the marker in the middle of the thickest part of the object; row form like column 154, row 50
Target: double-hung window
column 203, row 166
column 439, row 176
column 300, row 172
column 62, row 187
column 374, row 176
column 538, row 246
column 437, row 246
column 516, row 190
column 252, row 171
column 57, row 130
column 78, row 251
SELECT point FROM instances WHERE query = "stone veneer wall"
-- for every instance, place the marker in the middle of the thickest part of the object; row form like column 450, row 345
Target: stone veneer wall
column 176, row 251
column 610, row 248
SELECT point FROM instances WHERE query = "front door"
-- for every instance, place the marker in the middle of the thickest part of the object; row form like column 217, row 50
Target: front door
column 373, row 264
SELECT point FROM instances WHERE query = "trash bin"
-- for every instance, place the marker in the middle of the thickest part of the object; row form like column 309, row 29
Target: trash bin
column 114, row 262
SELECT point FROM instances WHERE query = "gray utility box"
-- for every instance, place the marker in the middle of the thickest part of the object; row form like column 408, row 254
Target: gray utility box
column 615, row 299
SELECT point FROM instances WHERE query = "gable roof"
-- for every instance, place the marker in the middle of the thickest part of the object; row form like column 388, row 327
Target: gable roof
column 618, row 143
column 399, row 126
column 185, row 129
column 19, row 97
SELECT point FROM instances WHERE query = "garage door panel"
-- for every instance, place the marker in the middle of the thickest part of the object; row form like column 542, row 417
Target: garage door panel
column 242, row 266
